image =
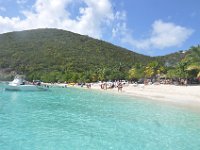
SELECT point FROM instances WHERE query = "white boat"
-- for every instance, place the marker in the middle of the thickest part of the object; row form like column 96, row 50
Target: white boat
column 19, row 84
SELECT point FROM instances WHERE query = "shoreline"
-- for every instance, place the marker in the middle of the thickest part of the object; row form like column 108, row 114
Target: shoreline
column 188, row 96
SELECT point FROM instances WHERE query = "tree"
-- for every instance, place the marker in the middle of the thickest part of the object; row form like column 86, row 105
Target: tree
column 151, row 69
column 149, row 72
column 172, row 73
column 101, row 73
column 193, row 60
column 181, row 69
column 136, row 72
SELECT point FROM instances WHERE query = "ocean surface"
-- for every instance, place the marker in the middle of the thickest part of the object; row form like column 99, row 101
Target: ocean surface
column 82, row 119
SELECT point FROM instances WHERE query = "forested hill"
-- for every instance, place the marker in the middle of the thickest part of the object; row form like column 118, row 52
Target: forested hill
column 59, row 55
column 173, row 58
column 43, row 51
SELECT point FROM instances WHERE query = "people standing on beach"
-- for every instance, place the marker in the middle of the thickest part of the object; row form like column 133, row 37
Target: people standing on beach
column 112, row 86
column 185, row 82
column 145, row 82
column 105, row 86
column 88, row 86
column 82, row 84
column 120, row 86
column 102, row 86
column 182, row 81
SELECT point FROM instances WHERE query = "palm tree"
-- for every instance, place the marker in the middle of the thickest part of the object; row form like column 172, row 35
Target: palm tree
column 149, row 71
column 193, row 59
column 101, row 73
column 132, row 73
column 181, row 69
column 152, row 69
column 136, row 72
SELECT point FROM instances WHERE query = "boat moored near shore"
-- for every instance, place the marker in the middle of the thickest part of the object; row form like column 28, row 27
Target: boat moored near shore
column 19, row 84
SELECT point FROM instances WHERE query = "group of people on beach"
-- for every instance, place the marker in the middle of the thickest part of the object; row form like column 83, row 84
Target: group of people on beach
column 112, row 85
column 180, row 81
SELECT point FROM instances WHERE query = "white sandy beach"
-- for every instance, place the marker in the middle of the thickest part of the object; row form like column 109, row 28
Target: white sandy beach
column 184, row 95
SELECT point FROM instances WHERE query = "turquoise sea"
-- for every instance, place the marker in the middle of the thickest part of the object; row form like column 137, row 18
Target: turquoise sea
column 82, row 119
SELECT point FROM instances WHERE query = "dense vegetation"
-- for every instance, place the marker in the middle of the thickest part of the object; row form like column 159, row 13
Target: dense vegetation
column 56, row 55
column 186, row 68
column 52, row 55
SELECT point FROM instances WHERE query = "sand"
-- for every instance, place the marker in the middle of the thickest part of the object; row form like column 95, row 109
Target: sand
column 180, row 95
column 183, row 95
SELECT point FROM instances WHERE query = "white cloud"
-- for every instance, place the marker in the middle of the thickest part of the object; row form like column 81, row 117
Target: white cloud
column 22, row 1
column 120, row 30
column 92, row 18
column 163, row 35
column 169, row 34
column 119, row 24
column 95, row 18
column 2, row 8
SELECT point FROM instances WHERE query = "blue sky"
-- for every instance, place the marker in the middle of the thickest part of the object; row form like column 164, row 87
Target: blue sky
column 150, row 27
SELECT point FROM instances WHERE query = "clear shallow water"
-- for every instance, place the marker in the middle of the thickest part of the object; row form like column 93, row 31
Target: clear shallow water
column 72, row 119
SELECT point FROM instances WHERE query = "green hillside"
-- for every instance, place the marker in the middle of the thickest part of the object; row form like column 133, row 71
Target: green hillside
column 56, row 55
column 43, row 51
column 172, row 59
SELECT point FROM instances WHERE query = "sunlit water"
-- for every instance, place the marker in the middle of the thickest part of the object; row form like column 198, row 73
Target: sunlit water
column 73, row 119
